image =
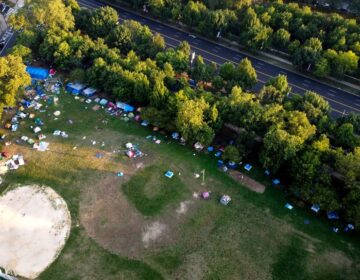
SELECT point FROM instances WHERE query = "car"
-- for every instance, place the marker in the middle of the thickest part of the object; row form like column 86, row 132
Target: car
column 2, row 7
column 5, row 10
column 192, row 36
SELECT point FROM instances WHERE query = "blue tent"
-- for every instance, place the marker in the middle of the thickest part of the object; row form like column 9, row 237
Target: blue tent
column 37, row 73
column 276, row 182
column 248, row 167
column 125, row 107
column 75, row 89
column 169, row 174
column 175, row 135
column 332, row 215
column 210, row 149
column 315, row 208
column 220, row 163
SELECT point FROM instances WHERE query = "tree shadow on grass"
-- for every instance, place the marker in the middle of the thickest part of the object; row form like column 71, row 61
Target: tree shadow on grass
column 291, row 262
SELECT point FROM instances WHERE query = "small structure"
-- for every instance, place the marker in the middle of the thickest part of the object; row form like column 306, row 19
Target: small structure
column 232, row 164
column 103, row 102
column 89, row 92
column 289, row 206
column 349, row 227
column 169, row 174
column 315, row 208
column 210, row 149
column 129, row 145
column 225, row 199
column 267, row 172
column 37, row 129
column 74, row 89
column 248, row 167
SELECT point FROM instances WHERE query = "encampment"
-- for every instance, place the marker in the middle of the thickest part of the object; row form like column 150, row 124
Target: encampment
column 74, row 89
column 37, row 73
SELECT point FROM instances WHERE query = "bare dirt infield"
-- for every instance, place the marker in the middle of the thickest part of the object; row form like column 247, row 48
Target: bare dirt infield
column 247, row 181
column 111, row 220
column 35, row 224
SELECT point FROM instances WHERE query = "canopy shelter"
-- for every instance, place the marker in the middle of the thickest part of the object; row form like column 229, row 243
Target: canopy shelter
column 37, row 73
column 289, row 206
column 276, row 182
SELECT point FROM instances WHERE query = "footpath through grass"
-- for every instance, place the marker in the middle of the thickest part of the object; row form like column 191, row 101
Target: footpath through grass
column 254, row 237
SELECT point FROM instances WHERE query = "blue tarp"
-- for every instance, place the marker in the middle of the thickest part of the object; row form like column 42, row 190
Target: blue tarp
column 289, row 206
column 210, row 149
column 175, row 135
column 37, row 73
column 125, row 107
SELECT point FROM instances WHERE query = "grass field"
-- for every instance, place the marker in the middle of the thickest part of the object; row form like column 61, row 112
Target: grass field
column 146, row 226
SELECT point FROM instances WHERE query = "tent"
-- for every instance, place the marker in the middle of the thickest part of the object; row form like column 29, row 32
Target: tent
column 89, row 92
column 210, row 149
column 103, row 102
column 144, row 123
column 75, row 89
column 175, row 135
column 205, row 195
column 232, row 164
column 315, row 208
column 267, row 172
column 220, row 163
column 276, row 182
column 247, row 167
column 218, row 153
column 169, row 174
column 37, row 73
column 225, row 199
column 125, row 107
column 198, row 146
column 332, row 215
column 289, row 206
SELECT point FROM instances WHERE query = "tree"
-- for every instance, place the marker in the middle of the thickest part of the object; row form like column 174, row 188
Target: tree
column 345, row 136
column 101, row 22
column 194, row 13
column 245, row 74
column 198, row 71
column 231, row 153
column 315, row 106
column 342, row 63
column 13, row 76
column 308, row 54
column 120, row 37
column 227, row 71
column 77, row 75
column 275, row 90
column 322, row 67
column 44, row 14
column 21, row 51
column 281, row 39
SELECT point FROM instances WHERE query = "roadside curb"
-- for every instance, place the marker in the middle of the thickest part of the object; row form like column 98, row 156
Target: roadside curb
column 262, row 56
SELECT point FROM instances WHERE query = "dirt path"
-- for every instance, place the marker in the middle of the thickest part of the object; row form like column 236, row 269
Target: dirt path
column 247, row 181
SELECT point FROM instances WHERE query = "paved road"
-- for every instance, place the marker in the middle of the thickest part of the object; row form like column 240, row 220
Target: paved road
column 340, row 101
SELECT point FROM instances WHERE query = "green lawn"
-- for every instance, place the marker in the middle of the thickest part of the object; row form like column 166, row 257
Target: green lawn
column 254, row 237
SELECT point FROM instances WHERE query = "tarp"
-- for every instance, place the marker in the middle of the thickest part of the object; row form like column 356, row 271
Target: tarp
column 37, row 73
column 125, row 107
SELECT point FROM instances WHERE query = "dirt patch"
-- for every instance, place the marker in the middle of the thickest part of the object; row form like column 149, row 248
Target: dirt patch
column 247, row 181
column 35, row 224
column 184, row 205
column 152, row 232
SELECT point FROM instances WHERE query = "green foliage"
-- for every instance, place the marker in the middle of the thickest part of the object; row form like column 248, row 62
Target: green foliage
column 231, row 153
column 13, row 77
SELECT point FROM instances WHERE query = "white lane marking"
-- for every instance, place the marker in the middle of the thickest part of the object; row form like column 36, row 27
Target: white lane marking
column 258, row 67
column 195, row 43
column 330, row 94
column 357, row 104
column 305, row 85
column 262, row 64
column 332, row 90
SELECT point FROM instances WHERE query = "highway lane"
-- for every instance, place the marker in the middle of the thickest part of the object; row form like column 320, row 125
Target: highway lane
column 340, row 101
